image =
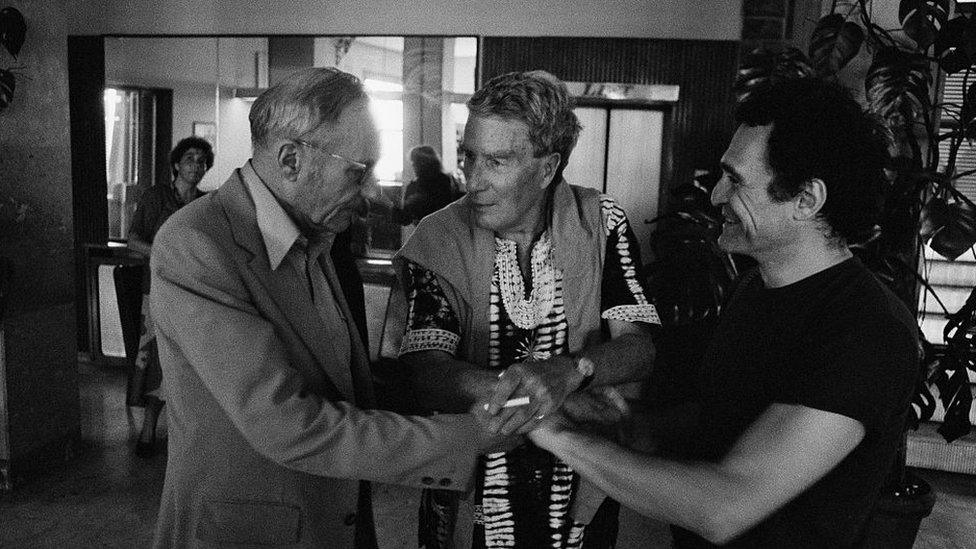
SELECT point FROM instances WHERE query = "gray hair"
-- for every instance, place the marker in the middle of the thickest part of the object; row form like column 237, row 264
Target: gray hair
column 301, row 102
column 538, row 99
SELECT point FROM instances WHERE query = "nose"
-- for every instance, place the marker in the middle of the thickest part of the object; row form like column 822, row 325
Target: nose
column 719, row 194
column 370, row 192
column 474, row 178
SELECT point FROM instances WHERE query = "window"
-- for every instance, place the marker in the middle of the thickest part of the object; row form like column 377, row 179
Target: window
column 133, row 161
column 952, row 280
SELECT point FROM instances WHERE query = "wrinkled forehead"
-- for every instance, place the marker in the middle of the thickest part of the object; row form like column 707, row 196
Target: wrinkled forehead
column 496, row 133
column 749, row 147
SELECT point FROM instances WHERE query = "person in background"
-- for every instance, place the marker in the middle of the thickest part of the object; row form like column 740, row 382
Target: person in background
column 527, row 288
column 805, row 388
column 430, row 191
column 271, row 401
column 190, row 159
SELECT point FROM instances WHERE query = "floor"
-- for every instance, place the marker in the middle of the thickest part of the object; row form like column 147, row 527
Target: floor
column 106, row 497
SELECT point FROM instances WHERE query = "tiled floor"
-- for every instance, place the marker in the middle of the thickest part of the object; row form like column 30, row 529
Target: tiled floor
column 106, row 497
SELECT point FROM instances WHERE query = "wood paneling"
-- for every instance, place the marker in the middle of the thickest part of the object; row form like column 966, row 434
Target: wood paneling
column 701, row 120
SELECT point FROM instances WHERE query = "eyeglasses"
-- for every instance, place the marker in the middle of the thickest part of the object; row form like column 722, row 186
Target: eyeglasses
column 360, row 168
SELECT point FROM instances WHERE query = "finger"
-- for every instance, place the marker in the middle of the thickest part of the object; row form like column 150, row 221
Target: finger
column 508, row 382
column 519, row 417
column 499, row 420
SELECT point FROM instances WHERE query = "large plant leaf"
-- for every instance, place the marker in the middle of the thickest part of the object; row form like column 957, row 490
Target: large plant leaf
column 897, row 82
column 834, row 43
column 932, row 219
column 13, row 29
column 923, row 19
column 957, row 399
column 955, row 44
column 761, row 67
column 7, row 84
column 958, row 232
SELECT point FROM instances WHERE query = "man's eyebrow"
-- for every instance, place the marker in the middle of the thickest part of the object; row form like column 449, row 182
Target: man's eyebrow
column 507, row 153
column 730, row 170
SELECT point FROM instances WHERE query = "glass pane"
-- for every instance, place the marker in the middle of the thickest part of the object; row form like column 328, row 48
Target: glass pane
column 121, row 156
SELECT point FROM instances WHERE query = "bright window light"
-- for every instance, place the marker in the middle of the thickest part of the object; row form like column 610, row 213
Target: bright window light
column 374, row 85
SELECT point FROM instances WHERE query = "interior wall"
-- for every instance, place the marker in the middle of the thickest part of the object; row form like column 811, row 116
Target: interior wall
column 36, row 235
column 687, row 19
column 701, row 119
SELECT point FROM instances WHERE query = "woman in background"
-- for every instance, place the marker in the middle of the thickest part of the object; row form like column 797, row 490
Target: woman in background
column 429, row 192
column 190, row 160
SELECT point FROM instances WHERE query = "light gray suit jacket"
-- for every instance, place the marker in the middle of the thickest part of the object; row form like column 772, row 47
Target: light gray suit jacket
column 266, row 440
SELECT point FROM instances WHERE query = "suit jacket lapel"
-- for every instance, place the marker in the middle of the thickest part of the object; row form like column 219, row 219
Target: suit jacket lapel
column 359, row 370
column 286, row 289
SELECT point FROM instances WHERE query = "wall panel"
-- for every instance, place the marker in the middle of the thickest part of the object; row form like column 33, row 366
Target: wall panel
column 701, row 120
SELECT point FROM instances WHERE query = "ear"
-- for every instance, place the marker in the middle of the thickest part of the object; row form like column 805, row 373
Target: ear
column 289, row 159
column 550, row 164
column 811, row 199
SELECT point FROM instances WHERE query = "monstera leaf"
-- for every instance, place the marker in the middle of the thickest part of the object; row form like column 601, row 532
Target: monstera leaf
column 762, row 66
column 13, row 29
column 7, row 84
column 923, row 19
column 958, row 231
column 955, row 45
column 953, row 378
column 897, row 82
column 834, row 43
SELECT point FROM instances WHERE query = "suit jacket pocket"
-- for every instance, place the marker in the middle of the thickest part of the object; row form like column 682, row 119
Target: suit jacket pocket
column 249, row 522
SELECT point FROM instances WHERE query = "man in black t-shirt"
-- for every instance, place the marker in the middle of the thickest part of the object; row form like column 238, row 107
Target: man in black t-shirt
column 806, row 385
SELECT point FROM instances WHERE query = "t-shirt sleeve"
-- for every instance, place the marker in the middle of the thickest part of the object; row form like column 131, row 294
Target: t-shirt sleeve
column 866, row 374
column 431, row 323
column 623, row 294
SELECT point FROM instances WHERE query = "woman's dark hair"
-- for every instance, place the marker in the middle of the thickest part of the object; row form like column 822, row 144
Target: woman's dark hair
column 425, row 161
column 186, row 144
column 820, row 132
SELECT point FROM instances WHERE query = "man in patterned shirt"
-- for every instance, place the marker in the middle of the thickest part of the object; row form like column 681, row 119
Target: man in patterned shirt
column 529, row 288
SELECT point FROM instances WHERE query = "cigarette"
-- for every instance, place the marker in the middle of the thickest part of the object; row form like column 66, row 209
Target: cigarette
column 513, row 402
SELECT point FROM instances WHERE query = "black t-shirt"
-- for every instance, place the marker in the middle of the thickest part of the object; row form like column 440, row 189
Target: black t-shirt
column 836, row 341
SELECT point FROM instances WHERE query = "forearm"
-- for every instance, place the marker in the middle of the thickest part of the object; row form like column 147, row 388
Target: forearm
column 697, row 496
column 628, row 357
column 446, row 384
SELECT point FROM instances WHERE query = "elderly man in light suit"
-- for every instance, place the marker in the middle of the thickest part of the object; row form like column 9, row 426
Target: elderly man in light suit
column 270, row 392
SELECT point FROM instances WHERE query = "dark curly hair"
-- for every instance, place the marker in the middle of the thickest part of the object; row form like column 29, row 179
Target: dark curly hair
column 819, row 131
column 186, row 144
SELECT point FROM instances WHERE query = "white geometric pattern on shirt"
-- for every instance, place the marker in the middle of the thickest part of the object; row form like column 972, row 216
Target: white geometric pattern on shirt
column 615, row 218
column 429, row 339
column 548, row 337
column 526, row 313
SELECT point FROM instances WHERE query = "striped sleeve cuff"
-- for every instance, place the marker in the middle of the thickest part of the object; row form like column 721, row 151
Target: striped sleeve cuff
column 429, row 339
column 633, row 313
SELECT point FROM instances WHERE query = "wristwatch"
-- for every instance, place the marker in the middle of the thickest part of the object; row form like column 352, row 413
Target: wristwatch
column 586, row 368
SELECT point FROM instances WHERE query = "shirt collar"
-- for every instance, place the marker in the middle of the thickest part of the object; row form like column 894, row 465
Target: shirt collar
column 277, row 229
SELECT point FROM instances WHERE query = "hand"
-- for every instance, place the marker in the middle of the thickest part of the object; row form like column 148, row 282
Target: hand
column 493, row 442
column 549, row 432
column 547, row 383
column 601, row 406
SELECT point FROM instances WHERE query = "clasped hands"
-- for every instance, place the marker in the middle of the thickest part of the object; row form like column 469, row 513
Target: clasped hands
column 544, row 393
